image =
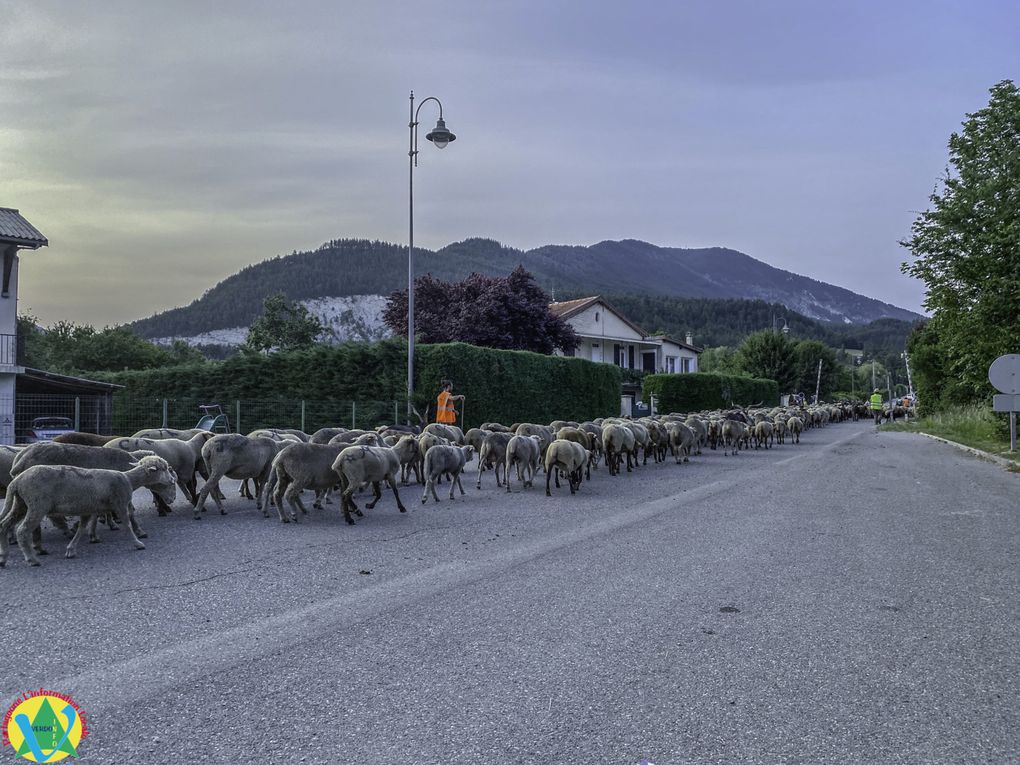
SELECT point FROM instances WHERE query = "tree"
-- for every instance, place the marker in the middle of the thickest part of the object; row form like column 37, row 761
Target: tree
column 807, row 354
column 283, row 326
column 510, row 313
column 966, row 247
column 770, row 355
column 722, row 360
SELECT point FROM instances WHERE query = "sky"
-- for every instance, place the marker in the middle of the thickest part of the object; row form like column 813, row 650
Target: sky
column 163, row 146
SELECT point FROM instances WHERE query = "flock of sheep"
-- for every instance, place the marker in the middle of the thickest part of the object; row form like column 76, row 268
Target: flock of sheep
column 92, row 476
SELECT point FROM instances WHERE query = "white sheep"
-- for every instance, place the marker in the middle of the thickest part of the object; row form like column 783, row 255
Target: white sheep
column 567, row 457
column 44, row 490
column 359, row 466
column 524, row 452
column 445, row 459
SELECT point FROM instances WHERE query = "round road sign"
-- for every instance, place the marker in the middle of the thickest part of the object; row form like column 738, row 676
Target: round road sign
column 1004, row 373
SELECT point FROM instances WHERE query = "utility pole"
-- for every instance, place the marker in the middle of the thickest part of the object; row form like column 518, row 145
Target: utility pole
column 910, row 380
column 818, row 382
column 873, row 383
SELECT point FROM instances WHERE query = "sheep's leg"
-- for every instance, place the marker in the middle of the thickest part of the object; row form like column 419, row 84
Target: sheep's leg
column 548, row 476
column 24, row 537
column 376, row 495
column 556, row 470
column 162, row 508
column 459, row 485
column 132, row 524
column 211, row 486
column 293, row 497
column 506, row 472
column 14, row 512
column 481, row 469
column 393, row 485
column 319, row 496
column 136, row 530
column 72, row 546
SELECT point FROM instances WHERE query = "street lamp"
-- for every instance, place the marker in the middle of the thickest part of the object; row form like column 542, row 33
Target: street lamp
column 440, row 136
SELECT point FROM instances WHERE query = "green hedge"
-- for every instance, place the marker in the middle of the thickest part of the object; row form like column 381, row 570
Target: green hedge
column 707, row 390
column 505, row 386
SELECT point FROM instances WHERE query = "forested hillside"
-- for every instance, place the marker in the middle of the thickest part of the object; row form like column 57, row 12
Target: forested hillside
column 361, row 267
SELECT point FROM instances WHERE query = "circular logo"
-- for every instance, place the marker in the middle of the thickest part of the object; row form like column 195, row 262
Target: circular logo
column 44, row 726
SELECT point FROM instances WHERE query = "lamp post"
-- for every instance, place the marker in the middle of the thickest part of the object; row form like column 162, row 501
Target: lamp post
column 440, row 137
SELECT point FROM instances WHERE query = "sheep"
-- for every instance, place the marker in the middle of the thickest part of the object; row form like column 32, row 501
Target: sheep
column 579, row 436
column 763, row 434
column 7, row 455
column 475, row 437
column 641, row 440
column 614, row 444
column 180, row 455
column 239, row 457
column 495, row 427
column 524, row 452
column 493, row 455
column 700, row 432
column 734, row 433
column 296, row 467
column 445, row 459
column 359, row 466
column 795, row 425
column 567, row 457
column 160, row 433
column 44, row 490
column 451, row 433
column 681, row 441
column 323, row 435
column 275, row 435
column 83, row 439
column 350, row 438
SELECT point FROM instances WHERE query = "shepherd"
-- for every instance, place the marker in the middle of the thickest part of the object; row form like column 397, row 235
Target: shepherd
column 445, row 413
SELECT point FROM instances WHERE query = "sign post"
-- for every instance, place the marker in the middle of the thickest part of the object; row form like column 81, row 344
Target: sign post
column 1004, row 375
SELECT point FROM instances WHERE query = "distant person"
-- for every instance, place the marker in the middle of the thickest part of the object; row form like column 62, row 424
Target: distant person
column 445, row 413
column 876, row 406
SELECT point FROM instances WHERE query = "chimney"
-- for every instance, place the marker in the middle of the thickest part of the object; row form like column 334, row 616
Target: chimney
column 690, row 339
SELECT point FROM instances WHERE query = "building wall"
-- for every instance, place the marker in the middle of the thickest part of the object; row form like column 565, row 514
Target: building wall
column 607, row 324
column 8, row 365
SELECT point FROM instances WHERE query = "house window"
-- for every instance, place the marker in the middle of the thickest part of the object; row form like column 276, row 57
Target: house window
column 685, row 365
column 596, row 317
column 618, row 354
column 671, row 364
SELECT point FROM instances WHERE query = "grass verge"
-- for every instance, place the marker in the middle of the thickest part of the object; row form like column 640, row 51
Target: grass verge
column 974, row 426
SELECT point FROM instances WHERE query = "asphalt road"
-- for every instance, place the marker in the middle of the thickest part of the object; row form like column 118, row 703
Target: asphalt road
column 852, row 599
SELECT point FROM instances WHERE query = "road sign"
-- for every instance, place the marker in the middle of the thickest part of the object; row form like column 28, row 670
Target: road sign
column 1004, row 373
column 1006, row 402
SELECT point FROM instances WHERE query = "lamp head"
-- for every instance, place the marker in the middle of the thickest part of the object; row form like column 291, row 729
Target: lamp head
column 439, row 135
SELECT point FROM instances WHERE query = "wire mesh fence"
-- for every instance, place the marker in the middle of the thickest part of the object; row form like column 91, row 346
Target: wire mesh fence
column 121, row 415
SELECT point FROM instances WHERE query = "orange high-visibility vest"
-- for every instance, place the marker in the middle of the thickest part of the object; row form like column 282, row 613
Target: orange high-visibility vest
column 445, row 412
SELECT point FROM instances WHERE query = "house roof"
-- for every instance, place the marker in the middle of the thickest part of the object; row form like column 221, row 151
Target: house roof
column 16, row 230
column 40, row 381
column 570, row 308
column 673, row 340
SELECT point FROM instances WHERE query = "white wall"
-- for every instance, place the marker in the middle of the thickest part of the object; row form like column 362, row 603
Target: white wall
column 607, row 324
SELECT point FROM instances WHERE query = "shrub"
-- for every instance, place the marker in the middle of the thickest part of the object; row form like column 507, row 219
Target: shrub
column 505, row 386
column 705, row 390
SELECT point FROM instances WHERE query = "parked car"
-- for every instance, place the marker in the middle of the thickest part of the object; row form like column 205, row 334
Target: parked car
column 48, row 428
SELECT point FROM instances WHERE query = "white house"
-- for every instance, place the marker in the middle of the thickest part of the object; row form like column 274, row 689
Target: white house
column 16, row 233
column 607, row 335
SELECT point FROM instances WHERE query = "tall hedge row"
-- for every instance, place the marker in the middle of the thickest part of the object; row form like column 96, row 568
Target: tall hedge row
column 706, row 390
column 504, row 386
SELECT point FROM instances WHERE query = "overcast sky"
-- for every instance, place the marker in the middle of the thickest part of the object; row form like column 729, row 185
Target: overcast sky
column 161, row 146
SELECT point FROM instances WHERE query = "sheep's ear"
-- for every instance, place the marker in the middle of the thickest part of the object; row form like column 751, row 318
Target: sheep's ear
column 153, row 468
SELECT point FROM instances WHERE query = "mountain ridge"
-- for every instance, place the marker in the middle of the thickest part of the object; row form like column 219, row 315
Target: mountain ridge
column 347, row 267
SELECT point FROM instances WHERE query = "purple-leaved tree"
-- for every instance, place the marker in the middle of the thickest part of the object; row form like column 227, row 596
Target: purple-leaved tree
column 510, row 312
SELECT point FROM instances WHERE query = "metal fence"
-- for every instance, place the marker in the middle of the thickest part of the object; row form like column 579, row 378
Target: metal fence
column 131, row 414
column 124, row 415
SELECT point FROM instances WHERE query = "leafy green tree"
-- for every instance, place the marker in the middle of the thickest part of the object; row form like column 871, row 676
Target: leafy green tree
column 966, row 248
column 807, row 354
column 770, row 355
column 283, row 326
column 928, row 365
column 723, row 360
